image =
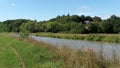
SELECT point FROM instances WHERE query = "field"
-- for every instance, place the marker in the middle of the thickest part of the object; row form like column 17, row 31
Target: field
column 17, row 52
column 87, row 37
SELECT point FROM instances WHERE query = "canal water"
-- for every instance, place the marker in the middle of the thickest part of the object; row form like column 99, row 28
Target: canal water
column 107, row 48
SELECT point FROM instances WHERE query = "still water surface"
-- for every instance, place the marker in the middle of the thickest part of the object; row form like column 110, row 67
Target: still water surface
column 107, row 48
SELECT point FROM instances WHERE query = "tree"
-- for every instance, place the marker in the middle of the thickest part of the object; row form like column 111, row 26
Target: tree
column 116, row 27
column 91, row 27
column 114, row 23
column 82, row 18
column 88, row 18
column 3, row 27
column 14, row 25
column 97, row 19
column 65, row 23
column 106, row 27
column 53, row 27
column 31, row 26
column 78, row 29
column 76, row 18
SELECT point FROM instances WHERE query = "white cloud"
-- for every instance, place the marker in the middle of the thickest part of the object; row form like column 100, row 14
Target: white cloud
column 84, row 8
column 13, row 4
column 83, row 13
column 105, row 16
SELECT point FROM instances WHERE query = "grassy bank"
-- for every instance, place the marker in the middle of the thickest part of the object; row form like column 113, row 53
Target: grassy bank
column 33, row 55
column 40, row 55
column 89, row 37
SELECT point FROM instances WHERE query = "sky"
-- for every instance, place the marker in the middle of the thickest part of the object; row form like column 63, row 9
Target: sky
column 47, row 9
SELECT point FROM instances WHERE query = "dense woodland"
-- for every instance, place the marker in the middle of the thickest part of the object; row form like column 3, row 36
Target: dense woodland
column 64, row 24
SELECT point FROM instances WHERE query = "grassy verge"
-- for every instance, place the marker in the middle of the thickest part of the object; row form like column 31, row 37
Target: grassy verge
column 33, row 55
column 40, row 55
column 90, row 37
column 7, row 57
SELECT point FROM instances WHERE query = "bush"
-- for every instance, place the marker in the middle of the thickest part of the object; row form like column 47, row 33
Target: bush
column 90, row 37
column 97, row 38
column 24, row 33
column 37, row 34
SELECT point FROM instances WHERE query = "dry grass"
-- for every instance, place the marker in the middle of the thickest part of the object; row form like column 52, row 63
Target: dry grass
column 90, row 37
column 78, row 58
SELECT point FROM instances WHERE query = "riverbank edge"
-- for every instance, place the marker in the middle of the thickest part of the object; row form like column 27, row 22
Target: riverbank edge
column 88, row 58
column 112, row 38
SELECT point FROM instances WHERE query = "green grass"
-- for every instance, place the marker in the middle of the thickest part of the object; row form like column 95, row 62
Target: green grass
column 7, row 57
column 33, row 56
column 89, row 37
column 40, row 55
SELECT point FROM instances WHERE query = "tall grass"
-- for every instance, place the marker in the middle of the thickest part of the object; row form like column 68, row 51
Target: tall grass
column 90, row 37
column 68, row 58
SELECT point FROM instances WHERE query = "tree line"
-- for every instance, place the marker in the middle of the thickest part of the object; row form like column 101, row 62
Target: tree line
column 64, row 24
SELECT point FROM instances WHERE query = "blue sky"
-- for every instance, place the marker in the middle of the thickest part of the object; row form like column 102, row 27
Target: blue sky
column 46, row 9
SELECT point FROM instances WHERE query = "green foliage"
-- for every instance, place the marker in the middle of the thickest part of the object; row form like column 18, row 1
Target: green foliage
column 31, row 26
column 64, row 24
column 3, row 27
column 90, row 37
column 91, row 27
column 78, row 29
column 107, row 27
column 24, row 33
column 97, row 19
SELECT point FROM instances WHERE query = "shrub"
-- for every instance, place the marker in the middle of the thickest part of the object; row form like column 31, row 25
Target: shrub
column 90, row 37
column 24, row 33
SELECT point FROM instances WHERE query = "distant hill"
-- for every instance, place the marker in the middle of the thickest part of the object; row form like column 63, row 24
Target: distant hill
column 64, row 24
